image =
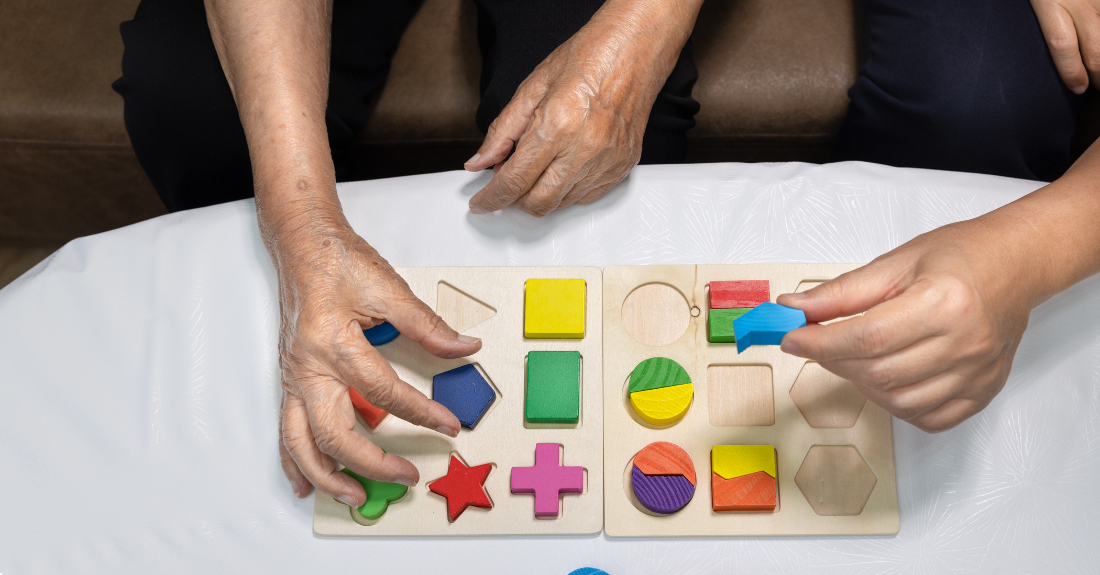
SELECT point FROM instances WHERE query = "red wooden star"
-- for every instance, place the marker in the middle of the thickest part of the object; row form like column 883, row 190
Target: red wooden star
column 463, row 486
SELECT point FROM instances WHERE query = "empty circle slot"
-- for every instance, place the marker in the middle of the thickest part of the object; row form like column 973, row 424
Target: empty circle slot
column 655, row 314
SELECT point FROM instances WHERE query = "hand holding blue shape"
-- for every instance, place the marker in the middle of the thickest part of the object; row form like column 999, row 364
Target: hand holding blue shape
column 766, row 324
column 381, row 333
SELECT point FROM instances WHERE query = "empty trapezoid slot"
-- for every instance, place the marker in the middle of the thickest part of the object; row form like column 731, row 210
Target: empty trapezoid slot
column 460, row 310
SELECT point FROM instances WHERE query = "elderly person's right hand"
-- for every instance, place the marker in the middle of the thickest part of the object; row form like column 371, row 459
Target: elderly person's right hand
column 332, row 285
column 577, row 121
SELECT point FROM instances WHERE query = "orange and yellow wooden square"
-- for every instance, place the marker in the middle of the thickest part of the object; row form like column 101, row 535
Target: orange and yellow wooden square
column 743, row 478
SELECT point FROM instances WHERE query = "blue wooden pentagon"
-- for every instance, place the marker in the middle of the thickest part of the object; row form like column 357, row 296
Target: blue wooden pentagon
column 766, row 324
column 465, row 392
column 381, row 333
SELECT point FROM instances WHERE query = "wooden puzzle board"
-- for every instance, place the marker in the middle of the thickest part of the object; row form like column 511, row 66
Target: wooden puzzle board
column 501, row 437
column 790, row 434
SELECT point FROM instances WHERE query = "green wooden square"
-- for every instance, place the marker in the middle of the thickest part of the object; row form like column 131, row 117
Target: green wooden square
column 553, row 387
column 720, row 324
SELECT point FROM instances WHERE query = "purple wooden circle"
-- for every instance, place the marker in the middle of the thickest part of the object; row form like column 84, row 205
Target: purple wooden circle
column 661, row 493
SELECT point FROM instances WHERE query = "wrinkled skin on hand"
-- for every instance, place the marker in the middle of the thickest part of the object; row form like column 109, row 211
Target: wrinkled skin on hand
column 577, row 121
column 1072, row 31
column 944, row 316
column 332, row 285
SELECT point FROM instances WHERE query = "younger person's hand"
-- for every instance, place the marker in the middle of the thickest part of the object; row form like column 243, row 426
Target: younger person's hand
column 944, row 316
column 1072, row 31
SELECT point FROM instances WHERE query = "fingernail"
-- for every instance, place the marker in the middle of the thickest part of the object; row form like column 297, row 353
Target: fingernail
column 476, row 210
column 798, row 295
column 472, row 159
column 406, row 481
column 448, row 431
column 791, row 348
column 1079, row 89
column 348, row 500
column 296, row 487
column 468, row 339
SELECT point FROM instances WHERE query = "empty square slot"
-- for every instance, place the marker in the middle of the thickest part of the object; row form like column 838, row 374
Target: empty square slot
column 740, row 395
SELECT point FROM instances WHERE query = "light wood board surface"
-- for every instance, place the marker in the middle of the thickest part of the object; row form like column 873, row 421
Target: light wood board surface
column 792, row 436
column 501, row 437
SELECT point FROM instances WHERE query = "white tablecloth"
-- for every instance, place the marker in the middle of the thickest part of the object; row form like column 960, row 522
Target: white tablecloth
column 139, row 385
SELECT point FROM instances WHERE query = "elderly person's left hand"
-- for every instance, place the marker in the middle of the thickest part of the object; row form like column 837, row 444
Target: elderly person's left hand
column 577, row 121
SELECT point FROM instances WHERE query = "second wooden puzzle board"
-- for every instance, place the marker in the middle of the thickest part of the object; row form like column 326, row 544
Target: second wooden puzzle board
column 669, row 316
column 488, row 303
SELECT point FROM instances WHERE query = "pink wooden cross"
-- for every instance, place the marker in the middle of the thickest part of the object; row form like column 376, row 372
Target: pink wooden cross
column 547, row 479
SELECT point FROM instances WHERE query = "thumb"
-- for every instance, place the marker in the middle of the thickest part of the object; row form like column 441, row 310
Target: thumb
column 419, row 323
column 506, row 129
column 849, row 294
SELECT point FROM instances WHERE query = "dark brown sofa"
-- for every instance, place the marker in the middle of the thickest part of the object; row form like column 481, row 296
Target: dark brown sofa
column 772, row 81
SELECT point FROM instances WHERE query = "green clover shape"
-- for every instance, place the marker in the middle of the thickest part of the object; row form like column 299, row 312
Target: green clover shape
column 379, row 495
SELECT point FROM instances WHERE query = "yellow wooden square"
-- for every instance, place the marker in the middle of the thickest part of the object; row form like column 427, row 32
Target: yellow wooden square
column 554, row 309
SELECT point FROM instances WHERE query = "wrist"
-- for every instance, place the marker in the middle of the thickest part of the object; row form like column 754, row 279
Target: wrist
column 655, row 30
column 1024, row 265
column 300, row 226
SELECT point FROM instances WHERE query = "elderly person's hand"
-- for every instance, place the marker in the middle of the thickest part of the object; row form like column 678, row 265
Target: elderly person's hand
column 332, row 286
column 577, row 121
column 1072, row 30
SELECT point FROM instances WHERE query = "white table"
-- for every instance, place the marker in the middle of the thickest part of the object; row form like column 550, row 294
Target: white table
column 139, row 385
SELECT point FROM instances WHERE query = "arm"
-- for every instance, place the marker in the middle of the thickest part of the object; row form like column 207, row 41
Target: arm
column 577, row 121
column 331, row 283
column 945, row 312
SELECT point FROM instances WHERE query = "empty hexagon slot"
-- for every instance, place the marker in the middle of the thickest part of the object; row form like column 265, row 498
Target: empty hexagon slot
column 835, row 480
column 825, row 399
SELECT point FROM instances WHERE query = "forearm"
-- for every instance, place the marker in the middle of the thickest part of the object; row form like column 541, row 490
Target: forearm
column 276, row 58
column 1056, row 228
column 660, row 27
